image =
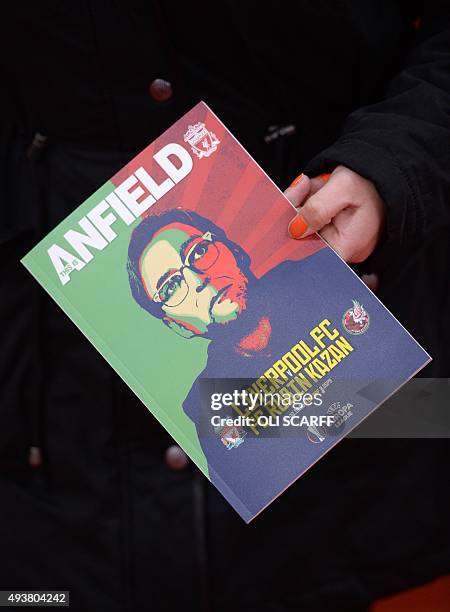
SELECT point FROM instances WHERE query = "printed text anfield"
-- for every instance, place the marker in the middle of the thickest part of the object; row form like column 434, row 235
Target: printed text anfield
column 133, row 197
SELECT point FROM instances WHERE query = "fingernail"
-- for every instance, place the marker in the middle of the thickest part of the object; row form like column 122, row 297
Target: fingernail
column 297, row 227
column 325, row 176
column 297, row 180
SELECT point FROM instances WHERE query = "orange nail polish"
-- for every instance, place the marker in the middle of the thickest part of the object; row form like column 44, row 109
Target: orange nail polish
column 325, row 176
column 297, row 227
column 297, row 180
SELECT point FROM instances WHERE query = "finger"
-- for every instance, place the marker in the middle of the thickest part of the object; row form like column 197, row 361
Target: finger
column 317, row 211
column 372, row 281
column 298, row 190
column 298, row 225
column 336, row 241
column 343, row 242
column 316, row 183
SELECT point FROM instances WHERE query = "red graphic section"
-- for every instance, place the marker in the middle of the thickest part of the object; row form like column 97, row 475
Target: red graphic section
column 229, row 188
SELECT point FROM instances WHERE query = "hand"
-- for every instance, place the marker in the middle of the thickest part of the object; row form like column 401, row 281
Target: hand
column 346, row 210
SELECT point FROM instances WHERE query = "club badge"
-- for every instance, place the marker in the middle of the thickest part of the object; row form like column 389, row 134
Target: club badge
column 202, row 141
column 231, row 437
column 356, row 319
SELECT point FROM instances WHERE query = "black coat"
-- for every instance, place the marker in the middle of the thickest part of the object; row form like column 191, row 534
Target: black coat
column 104, row 516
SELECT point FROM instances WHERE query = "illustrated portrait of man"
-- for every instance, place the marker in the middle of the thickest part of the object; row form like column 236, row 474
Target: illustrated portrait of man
column 185, row 271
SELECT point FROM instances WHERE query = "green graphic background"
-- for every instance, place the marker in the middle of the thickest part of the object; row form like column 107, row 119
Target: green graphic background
column 158, row 365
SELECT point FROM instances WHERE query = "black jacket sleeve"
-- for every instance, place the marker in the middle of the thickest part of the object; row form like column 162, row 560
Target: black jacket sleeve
column 402, row 143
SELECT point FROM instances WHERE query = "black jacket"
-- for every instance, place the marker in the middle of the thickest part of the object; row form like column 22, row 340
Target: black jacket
column 304, row 87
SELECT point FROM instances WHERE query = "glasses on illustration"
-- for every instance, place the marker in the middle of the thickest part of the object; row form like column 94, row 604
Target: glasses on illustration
column 173, row 289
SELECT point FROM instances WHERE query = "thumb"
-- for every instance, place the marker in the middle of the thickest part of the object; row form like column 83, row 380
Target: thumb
column 317, row 211
column 298, row 190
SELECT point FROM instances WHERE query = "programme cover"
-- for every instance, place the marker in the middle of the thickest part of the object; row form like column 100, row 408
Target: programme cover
column 257, row 352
